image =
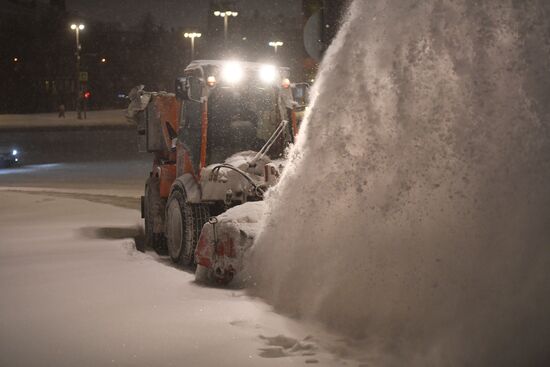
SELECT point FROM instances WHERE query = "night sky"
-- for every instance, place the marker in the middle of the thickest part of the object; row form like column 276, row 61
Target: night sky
column 171, row 13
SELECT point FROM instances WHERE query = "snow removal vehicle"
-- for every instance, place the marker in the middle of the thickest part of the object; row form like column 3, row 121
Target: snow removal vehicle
column 217, row 143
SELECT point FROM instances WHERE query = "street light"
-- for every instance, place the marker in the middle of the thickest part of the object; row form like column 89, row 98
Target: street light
column 225, row 14
column 276, row 44
column 77, row 28
column 192, row 36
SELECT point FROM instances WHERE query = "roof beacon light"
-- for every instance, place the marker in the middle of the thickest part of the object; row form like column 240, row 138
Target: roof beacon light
column 211, row 81
column 268, row 73
column 232, row 72
column 286, row 83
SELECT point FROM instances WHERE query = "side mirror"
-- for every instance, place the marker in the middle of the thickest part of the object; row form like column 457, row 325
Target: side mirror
column 182, row 88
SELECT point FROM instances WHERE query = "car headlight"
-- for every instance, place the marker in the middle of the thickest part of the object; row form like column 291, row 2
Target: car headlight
column 14, row 152
column 232, row 72
column 268, row 73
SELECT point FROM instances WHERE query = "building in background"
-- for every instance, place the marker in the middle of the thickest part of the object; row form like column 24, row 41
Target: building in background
column 35, row 69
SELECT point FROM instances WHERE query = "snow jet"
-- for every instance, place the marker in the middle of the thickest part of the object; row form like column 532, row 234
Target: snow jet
column 415, row 212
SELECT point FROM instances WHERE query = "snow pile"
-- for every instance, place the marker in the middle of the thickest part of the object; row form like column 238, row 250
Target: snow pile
column 415, row 213
column 244, row 217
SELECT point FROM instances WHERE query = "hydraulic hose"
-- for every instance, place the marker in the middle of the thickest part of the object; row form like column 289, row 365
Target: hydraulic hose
column 257, row 188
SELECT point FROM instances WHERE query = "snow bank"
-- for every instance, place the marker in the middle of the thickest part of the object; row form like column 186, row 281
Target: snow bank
column 414, row 214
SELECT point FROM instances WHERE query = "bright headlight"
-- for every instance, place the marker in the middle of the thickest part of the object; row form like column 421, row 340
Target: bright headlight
column 14, row 152
column 268, row 73
column 232, row 72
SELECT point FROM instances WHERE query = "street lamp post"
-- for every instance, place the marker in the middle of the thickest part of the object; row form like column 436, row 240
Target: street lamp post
column 192, row 36
column 225, row 14
column 77, row 28
column 276, row 44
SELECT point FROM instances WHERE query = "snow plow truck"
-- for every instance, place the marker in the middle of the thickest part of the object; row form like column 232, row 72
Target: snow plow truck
column 217, row 142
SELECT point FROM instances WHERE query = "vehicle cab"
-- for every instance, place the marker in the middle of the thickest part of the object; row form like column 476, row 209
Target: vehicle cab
column 236, row 116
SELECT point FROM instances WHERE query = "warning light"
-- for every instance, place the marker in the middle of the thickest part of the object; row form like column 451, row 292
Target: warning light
column 286, row 83
column 87, row 94
column 211, row 81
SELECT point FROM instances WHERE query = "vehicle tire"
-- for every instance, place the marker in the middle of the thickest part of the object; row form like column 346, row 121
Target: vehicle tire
column 184, row 222
column 153, row 213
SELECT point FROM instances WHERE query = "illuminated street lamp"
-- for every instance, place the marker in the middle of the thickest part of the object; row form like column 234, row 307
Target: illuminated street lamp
column 77, row 28
column 15, row 59
column 103, row 60
column 276, row 44
column 192, row 36
column 225, row 14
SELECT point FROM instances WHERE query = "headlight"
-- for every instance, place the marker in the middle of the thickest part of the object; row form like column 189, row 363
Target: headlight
column 14, row 152
column 232, row 72
column 268, row 73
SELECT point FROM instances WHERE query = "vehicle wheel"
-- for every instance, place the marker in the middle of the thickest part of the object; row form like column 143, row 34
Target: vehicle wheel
column 184, row 222
column 153, row 212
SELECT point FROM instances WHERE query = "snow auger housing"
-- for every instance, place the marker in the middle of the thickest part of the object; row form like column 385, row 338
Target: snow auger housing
column 215, row 141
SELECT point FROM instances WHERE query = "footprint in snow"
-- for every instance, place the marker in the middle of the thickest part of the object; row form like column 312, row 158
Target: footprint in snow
column 276, row 352
column 284, row 346
column 244, row 323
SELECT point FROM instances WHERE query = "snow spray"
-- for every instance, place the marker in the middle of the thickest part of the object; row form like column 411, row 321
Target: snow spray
column 414, row 215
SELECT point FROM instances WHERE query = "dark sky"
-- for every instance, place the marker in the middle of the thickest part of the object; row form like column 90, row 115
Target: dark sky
column 171, row 13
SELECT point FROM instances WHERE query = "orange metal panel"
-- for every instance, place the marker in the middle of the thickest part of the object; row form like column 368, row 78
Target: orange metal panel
column 167, row 177
column 294, row 124
column 168, row 107
column 204, row 132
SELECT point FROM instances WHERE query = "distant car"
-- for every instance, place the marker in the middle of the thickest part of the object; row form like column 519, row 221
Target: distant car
column 9, row 158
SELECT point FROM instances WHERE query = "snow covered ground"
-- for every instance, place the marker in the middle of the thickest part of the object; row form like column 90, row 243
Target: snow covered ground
column 116, row 177
column 75, row 292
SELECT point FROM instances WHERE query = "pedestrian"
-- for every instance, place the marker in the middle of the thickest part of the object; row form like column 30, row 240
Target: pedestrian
column 61, row 111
